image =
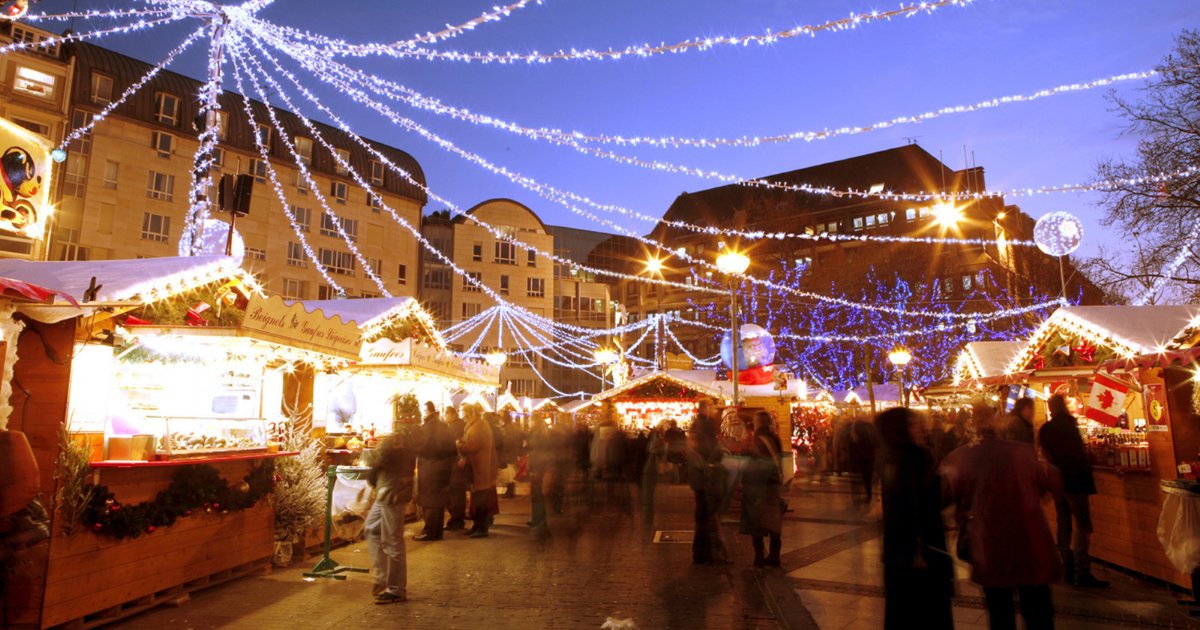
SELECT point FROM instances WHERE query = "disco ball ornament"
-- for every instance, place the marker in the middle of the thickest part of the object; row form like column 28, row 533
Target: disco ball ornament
column 58, row 155
column 1058, row 233
column 758, row 347
column 212, row 241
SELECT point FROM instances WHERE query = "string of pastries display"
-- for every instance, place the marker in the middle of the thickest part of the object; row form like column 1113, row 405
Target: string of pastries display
column 199, row 442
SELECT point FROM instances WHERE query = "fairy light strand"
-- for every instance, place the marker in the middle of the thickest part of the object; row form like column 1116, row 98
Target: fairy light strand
column 338, row 47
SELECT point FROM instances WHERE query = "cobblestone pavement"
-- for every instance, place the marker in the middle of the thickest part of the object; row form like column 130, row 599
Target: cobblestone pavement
column 594, row 567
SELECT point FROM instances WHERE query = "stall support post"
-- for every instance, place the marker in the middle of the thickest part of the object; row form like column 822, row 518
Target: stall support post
column 327, row 567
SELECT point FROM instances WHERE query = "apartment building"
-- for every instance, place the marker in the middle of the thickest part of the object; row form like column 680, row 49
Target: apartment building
column 125, row 185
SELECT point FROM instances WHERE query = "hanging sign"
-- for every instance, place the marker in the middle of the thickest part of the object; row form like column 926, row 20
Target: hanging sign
column 25, row 182
column 291, row 324
column 428, row 358
column 1155, row 398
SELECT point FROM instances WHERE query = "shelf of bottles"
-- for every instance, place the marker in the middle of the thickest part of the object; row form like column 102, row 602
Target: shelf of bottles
column 1125, row 450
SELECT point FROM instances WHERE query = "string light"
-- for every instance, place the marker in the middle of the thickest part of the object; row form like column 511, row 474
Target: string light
column 286, row 139
column 564, row 198
column 1168, row 270
column 401, row 50
column 54, row 40
column 95, row 14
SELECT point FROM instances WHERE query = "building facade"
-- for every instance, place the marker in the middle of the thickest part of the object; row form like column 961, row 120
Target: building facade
column 125, row 185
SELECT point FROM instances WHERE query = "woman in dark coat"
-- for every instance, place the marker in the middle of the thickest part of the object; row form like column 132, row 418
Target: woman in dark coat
column 917, row 570
column 435, row 461
column 762, row 514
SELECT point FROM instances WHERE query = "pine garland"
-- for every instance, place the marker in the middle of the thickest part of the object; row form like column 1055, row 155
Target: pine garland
column 194, row 488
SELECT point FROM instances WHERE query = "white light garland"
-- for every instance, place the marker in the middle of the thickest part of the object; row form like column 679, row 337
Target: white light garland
column 1181, row 256
column 402, row 50
column 53, row 40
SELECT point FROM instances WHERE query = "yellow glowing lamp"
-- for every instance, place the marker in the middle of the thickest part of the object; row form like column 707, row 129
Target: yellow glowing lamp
column 946, row 214
column 900, row 356
column 733, row 263
column 496, row 359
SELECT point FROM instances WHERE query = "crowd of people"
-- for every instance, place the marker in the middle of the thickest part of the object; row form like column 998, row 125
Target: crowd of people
column 455, row 461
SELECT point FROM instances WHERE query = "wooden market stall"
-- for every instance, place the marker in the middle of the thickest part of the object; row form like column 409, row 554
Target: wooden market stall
column 1095, row 355
column 978, row 369
column 157, row 394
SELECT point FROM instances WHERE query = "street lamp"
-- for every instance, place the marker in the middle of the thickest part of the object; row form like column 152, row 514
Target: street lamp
column 654, row 266
column 946, row 214
column 605, row 357
column 900, row 357
column 733, row 263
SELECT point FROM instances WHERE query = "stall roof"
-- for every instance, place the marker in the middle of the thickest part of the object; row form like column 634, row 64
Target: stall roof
column 141, row 279
column 888, row 392
column 1130, row 330
column 699, row 381
column 368, row 313
column 575, row 405
column 991, row 357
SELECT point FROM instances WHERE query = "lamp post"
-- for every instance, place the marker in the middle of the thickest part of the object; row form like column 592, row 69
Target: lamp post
column 733, row 263
column 654, row 266
column 900, row 357
column 497, row 359
column 605, row 358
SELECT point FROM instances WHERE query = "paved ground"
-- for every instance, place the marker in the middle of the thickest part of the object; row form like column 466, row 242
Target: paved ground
column 594, row 567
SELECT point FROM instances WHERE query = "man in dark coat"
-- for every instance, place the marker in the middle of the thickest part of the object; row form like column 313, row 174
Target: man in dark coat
column 1063, row 446
column 435, row 461
column 460, row 476
column 706, row 476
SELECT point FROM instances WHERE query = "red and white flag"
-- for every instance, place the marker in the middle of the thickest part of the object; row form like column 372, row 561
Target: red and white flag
column 1106, row 400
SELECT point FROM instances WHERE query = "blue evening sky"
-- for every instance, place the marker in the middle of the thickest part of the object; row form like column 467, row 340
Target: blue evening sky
column 876, row 72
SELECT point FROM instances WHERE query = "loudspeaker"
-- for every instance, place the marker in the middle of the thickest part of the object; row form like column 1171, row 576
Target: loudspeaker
column 233, row 194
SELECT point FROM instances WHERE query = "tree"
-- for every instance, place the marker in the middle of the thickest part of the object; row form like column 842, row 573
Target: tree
column 1160, row 217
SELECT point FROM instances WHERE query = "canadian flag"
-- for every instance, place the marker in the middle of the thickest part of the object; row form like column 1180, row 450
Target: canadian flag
column 1106, row 400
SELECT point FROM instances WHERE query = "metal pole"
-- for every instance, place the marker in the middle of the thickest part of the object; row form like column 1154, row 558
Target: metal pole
column 903, row 392
column 736, row 338
column 210, row 108
column 1062, row 276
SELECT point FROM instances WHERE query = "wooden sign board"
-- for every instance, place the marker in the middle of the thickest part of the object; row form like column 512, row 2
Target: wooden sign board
column 291, row 324
column 427, row 358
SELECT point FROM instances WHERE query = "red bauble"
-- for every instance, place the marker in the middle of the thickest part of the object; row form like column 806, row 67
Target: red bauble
column 149, row 529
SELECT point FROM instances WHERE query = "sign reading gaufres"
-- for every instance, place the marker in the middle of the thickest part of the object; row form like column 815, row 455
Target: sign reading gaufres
column 292, row 324
column 423, row 357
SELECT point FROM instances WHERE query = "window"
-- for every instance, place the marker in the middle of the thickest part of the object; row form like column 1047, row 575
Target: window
column 68, row 245
column 301, row 183
column 966, row 282
column 336, row 261
column 35, row 127
column 304, row 149
column 160, row 186
column 910, row 214
column 264, row 136
column 375, row 202
column 296, row 256
column 329, row 227
column 471, row 309
column 34, row 83
column 870, row 221
column 531, row 258
column 326, row 292
column 258, row 168
column 164, row 143
column 83, row 144
column 523, row 387
column 402, row 275
column 156, row 227
column 166, row 108
column 477, row 252
column 858, row 224
column 111, row 169
column 342, row 162
column 337, row 190
column 503, row 285
column 222, row 126
column 254, row 253
column 377, row 172
column 981, row 280
column 536, row 287
column 75, row 176
column 436, row 279
column 295, row 289
column 21, row 34
column 376, row 265
column 302, row 217
column 506, row 253
column 883, row 218
column 468, row 285
column 218, row 157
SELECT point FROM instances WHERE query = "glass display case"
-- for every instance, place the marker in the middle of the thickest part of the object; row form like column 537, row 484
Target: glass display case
column 180, row 436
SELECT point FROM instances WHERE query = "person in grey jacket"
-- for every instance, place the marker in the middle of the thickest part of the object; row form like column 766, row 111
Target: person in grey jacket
column 392, row 465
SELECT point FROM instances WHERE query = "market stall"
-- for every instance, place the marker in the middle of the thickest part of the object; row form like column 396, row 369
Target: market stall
column 1128, row 376
column 652, row 398
column 157, row 407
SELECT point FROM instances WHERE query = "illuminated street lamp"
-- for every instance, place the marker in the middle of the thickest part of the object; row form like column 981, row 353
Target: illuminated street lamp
column 733, row 263
column 946, row 214
column 900, row 357
column 496, row 358
column 654, row 267
column 604, row 357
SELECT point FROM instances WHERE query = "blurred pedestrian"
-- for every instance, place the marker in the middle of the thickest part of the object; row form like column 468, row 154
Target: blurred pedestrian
column 541, row 463
column 656, row 453
column 997, row 487
column 918, row 574
column 478, row 450
column 706, row 476
column 676, row 441
column 762, row 497
column 460, row 476
column 435, row 463
column 1063, row 446
column 862, row 453
column 1018, row 425
column 391, row 465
